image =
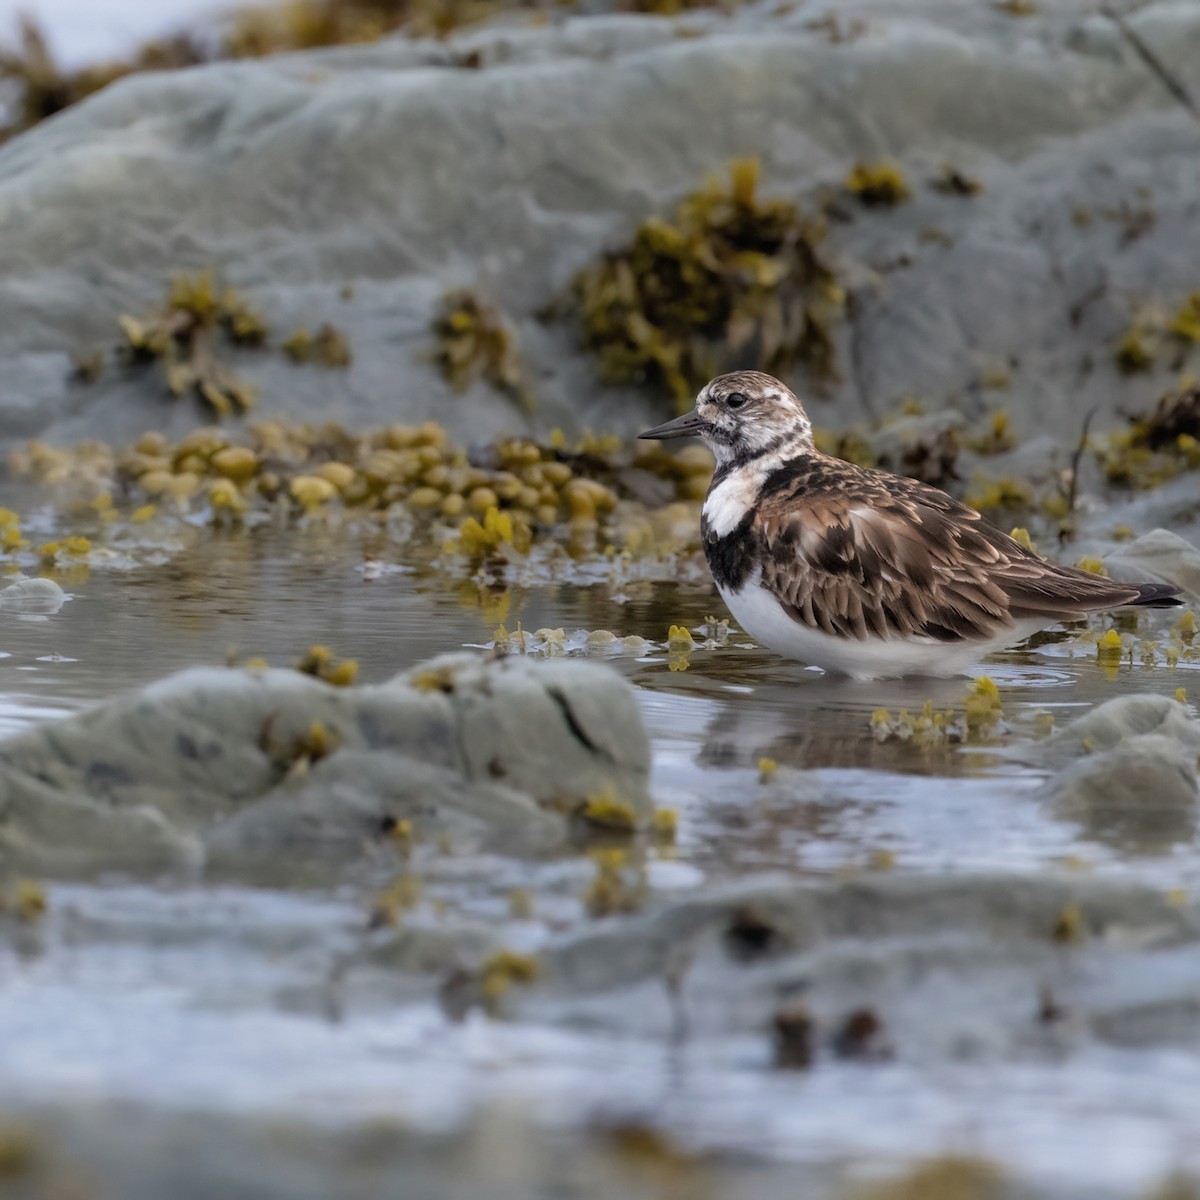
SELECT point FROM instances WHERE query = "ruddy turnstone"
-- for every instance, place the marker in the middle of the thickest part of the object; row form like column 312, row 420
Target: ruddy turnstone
column 861, row 572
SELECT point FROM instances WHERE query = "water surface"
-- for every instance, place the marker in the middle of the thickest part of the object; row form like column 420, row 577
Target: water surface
column 219, row 980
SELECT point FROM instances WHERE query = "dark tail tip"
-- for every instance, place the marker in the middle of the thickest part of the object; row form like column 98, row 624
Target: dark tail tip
column 1157, row 595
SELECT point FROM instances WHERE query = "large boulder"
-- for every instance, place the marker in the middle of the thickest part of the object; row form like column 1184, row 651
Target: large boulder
column 215, row 764
column 357, row 185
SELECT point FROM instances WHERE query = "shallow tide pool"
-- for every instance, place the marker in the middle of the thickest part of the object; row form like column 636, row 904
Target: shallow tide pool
column 231, row 998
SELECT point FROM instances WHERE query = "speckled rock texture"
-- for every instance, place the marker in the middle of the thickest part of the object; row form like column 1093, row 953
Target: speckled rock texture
column 357, row 185
column 221, row 764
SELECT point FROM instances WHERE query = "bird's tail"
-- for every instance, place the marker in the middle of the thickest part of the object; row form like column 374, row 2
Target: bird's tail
column 1156, row 595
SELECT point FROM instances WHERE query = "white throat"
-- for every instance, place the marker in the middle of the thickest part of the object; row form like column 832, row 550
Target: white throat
column 731, row 498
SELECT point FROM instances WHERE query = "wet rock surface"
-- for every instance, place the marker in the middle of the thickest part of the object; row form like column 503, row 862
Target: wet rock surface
column 1120, row 721
column 213, row 765
column 1126, row 772
column 963, row 983
column 32, row 597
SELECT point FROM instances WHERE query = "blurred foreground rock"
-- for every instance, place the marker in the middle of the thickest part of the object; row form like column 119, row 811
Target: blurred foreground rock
column 211, row 765
column 899, row 983
column 881, row 942
column 1128, row 773
column 1116, row 722
column 356, row 186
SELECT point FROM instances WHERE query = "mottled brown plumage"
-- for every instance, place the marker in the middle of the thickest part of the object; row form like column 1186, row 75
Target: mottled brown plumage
column 860, row 554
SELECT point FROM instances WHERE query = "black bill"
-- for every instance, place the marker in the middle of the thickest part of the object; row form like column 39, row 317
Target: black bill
column 691, row 424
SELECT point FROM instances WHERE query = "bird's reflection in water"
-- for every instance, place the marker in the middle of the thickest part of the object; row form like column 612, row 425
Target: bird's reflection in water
column 762, row 707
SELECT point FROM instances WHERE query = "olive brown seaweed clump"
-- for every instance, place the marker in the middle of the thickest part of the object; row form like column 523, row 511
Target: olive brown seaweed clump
column 42, row 87
column 279, row 26
column 1156, row 335
column 259, row 30
column 881, row 184
column 596, row 496
column 190, row 332
column 327, row 347
column 1158, row 445
column 1175, row 416
column 186, row 334
column 474, row 341
column 731, row 280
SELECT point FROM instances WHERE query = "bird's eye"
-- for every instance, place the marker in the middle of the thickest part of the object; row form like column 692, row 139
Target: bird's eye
column 735, row 400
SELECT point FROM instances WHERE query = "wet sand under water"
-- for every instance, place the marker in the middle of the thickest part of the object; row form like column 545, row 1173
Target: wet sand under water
column 217, row 980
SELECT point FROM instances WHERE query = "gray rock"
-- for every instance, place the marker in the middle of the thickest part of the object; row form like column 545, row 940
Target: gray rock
column 1118, row 720
column 1174, row 506
column 1140, row 795
column 356, row 185
column 952, row 964
column 213, row 765
column 1125, row 771
column 1159, row 555
column 534, row 725
column 32, row 597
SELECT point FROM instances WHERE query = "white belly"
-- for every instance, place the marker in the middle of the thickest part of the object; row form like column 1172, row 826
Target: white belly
column 763, row 618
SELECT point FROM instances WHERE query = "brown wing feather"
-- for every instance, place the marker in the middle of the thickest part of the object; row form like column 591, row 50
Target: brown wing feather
column 860, row 554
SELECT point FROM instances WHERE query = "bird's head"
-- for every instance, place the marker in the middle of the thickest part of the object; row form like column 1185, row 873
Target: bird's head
column 742, row 416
